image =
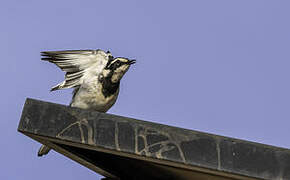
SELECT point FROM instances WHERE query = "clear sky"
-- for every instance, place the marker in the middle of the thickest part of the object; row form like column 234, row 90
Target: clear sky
column 218, row 66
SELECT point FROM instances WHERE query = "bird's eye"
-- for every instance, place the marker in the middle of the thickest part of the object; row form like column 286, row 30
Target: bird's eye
column 118, row 63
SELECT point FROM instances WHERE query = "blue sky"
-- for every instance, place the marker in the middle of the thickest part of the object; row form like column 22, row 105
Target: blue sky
column 220, row 67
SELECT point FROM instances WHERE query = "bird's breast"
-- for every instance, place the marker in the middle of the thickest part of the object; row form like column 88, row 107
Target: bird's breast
column 90, row 96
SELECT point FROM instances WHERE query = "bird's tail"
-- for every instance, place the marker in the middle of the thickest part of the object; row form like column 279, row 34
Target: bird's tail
column 43, row 150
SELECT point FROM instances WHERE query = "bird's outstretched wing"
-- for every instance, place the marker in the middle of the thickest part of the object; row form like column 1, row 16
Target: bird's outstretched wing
column 77, row 64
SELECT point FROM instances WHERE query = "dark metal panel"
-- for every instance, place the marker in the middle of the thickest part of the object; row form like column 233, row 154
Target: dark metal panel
column 168, row 147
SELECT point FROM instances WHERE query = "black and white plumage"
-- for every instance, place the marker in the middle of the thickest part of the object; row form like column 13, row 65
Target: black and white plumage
column 78, row 64
column 95, row 76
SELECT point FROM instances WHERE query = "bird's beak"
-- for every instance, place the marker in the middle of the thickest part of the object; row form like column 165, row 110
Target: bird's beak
column 132, row 61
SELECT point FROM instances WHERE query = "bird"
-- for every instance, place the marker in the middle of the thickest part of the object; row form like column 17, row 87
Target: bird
column 93, row 74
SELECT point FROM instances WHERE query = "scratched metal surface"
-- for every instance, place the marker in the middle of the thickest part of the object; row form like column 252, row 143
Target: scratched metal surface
column 156, row 141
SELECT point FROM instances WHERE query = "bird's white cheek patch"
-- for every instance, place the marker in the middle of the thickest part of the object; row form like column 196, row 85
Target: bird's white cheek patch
column 116, row 77
column 118, row 74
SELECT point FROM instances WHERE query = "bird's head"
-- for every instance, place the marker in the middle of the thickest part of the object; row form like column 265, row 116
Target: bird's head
column 116, row 68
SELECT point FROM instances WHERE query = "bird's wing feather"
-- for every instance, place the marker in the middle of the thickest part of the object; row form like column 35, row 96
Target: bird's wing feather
column 76, row 64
